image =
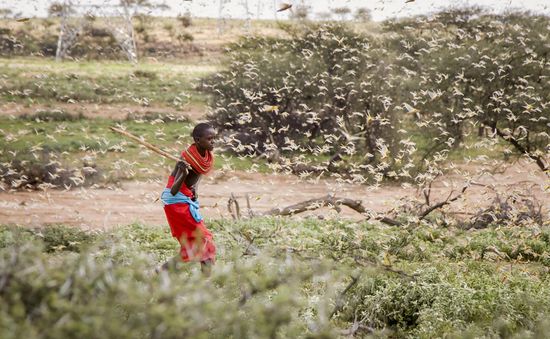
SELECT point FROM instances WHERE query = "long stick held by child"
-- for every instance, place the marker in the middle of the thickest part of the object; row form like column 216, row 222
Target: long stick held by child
column 146, row 144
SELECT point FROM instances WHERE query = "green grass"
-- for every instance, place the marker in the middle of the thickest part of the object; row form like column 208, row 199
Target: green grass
column 87, row 134
column 90, row 141
column 34, row 80
column 472, row 146
column 278, row 277
column 241, row 163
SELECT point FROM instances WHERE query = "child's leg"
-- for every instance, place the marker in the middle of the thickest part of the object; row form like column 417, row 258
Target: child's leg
column 171, row 263
column 206, row 267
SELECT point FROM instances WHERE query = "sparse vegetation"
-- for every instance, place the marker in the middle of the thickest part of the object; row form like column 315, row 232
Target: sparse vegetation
column 156, row 37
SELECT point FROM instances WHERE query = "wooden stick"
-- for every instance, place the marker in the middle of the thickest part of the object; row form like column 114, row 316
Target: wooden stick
column 148, row 145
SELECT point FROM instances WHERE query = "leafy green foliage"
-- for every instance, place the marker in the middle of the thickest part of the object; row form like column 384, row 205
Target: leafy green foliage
column 277, row 277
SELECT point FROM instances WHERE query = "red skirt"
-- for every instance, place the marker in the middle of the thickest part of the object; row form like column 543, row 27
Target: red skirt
column 195, row 239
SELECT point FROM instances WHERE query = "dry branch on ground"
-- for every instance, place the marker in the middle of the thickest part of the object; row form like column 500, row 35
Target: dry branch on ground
column 312, row 204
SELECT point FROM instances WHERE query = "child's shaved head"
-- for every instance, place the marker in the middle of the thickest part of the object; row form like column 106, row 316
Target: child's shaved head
column 200, row 129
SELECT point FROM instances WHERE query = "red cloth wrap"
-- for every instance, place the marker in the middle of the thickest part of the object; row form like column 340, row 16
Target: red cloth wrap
column 194, row 238
column 200, row 164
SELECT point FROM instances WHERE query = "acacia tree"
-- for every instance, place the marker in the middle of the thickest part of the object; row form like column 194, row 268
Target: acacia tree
column 343, row 12
column 324, row 92
column 300, row 12
column 494, row 74
column 366, row 101
column 363, row 14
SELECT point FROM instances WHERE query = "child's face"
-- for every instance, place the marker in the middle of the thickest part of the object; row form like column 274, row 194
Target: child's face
column 206, row 141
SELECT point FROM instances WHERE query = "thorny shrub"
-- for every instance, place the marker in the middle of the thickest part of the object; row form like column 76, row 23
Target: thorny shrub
column 323, row 92
column 290, row 285
column 45, row 172
column 394, row 105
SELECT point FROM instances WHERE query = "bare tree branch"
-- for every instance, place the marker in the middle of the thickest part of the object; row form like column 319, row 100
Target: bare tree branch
column 443, row 203
column 339, row 299
column 331, row 201
column 236, row 215
column 509, row 138
column 249, row 209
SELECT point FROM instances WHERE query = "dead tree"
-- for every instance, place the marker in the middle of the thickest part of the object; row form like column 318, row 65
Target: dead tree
column 73, row 18
column 221, row 18
column 124, row 34
column 233, row 203
column 440, row 204
column 68, row 32
column 247, row 22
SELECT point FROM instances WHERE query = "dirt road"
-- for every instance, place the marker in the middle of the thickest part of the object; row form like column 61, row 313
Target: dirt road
column 137, row 201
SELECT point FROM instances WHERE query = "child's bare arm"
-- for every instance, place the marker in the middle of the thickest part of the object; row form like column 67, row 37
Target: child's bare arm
column 180, row 173
column 195, row 190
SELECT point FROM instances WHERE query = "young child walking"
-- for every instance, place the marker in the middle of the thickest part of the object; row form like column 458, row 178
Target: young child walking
column 181, row 205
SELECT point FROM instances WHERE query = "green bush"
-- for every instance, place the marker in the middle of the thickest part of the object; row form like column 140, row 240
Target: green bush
column 53, row 115
column 51, row 238
column 145, row 74
column 324, row 92
column 449, row 299
column 185, row 37
column 394, row 105
column 274, row 277
column 473, row 71
column 62, row 238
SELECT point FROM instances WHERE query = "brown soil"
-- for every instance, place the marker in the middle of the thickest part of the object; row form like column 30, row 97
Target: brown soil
column 107, row 111
column 137, row 201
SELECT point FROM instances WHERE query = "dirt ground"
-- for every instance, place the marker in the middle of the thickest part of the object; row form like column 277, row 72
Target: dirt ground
column 138, row 201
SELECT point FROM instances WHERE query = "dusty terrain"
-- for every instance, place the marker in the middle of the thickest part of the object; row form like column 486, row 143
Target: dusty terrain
column 138, row 201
